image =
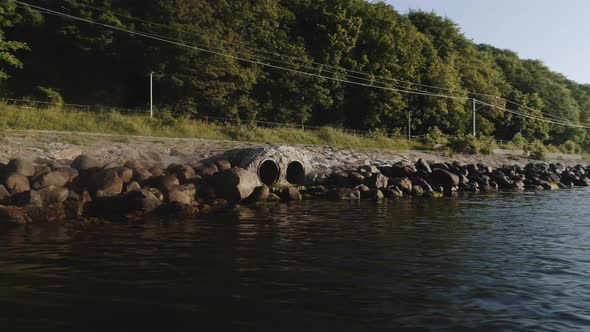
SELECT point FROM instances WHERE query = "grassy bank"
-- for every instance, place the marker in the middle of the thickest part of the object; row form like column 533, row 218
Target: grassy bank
column 125, row 124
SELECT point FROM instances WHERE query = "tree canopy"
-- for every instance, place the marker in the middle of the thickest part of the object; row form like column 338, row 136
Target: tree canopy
column 300, row 61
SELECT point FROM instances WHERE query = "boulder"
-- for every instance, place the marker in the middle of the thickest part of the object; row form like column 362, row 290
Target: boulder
column 235, row 184
column 52, row 195
column 185, row 174
column 178, row 197
column 344, row 194
column 105, row 183
column 70, row 173
column 291, row 194
column 156, row 171
column 5, row 196
column 166, row 183
column 124, row 173
column 84, row 163
column 404, row 184
column 133, row 164
column 132, row 186
column 141, row 174
column 53, row 178
column 144, row 200
column 422, row 165
column 417, row 191
column 393, row 192
column 260, row 194
column 209, row 170
column 374, row 194
column 11, row 215
column 222, row 165
column 445, row 178
column 377, row 181
column 41, row 169
column 16, row 183
column 21, row 166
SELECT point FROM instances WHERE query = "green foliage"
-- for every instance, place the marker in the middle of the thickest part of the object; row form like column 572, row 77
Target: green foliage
column 51, row 96
column 321, row 37
column 435, row 137
column 472, row 145
column 165, row 125
column 571, row 147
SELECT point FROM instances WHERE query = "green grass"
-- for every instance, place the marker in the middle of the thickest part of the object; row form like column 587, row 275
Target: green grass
column 167, row 126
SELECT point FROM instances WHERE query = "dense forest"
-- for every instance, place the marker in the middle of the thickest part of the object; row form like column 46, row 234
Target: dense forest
column 343, row 63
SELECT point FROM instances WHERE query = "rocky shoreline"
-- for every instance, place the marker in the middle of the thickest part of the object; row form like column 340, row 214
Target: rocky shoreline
column 60, row 191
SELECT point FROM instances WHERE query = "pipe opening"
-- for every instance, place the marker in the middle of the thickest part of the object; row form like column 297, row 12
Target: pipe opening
column 296, row 173
column 268, row 172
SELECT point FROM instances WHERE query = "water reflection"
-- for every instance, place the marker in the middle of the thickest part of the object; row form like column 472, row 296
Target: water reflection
column 510, row 261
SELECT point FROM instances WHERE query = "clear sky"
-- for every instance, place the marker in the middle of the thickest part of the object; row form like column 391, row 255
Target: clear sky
column 555, row 32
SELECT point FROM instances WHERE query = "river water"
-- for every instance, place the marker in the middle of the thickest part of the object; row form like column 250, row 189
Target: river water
column 498, row 262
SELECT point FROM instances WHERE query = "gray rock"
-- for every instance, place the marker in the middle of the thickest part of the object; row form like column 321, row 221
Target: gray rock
column 235, row 184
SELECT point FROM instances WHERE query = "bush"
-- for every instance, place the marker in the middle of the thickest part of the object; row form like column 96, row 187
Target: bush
column 536, row 150
column 435, row 137
column 471, row 145
column 51, row 96
column 571, row 147
column 518, row 141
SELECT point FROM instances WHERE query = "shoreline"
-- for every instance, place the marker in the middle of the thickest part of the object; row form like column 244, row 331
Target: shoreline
column 60, row 177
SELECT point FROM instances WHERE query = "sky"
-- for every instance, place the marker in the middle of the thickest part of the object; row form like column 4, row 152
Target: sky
column 555, row 32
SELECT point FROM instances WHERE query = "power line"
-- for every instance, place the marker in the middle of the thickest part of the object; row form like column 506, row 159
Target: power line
column 565, row 124
column 167, row 40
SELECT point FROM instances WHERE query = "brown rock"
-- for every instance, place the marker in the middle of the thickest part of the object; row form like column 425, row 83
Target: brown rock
column 70, row 173
column 141, row 174
column 53, row 178
column 106, row 183
column 124, row 173
column 17, row 183
column 41, row 169
column 4, row 195
column 156, row 171
column 12, row 215
column 21, row 166
column 166, row 183
column 133, row 164
column 179, row 197
column 291, row 194
column 222, row 165
column 84, row 163
column 133, row 186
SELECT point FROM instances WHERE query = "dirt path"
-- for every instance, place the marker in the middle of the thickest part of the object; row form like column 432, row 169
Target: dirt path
column 158, row 150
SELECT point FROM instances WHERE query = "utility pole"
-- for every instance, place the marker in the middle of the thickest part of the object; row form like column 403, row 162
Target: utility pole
column 151, row 94
column 409, row 125
column 474, row 101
